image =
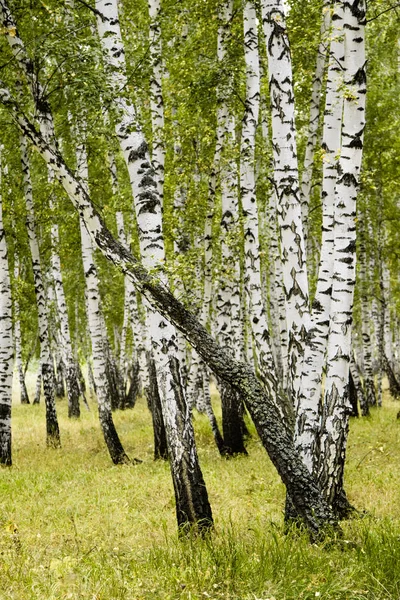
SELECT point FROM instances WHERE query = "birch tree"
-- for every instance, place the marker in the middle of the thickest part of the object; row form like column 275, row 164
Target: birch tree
column 335, row 416
column 46, row 362
column 286, row 184
column 252, row 273
column 192, row 505
column 6, row 344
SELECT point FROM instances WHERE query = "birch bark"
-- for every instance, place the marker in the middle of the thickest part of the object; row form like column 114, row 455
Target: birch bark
column 156, row 95
column 192, row 503
column 312, row 135
column 335, row 415
column 309, row 403
column 47, row 368
column 6, row 344
column 17, row 338
column 260, row 399
column 71, row 375
column 252, row 272
column 286, row 183
column 96, row 322
column 368, row 373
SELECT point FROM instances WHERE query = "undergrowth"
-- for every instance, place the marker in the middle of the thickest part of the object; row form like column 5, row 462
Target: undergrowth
column 74, row 526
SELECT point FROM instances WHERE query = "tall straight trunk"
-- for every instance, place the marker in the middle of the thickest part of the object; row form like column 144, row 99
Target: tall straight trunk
column 361, row 396
column 47, row 368
column 369, row 383
column 277, row 294
column 192, row 505
column 286, row 183
column 314, row 118
column 228, row 322
column 252, row 266
column 388, row 362
column 130, row 317
column 6, row 344
column 335, row 416
column 71, row 372
column 97, row 334
column 309, row 403
column 17, row 340
column 156, row 95
column 228, row 303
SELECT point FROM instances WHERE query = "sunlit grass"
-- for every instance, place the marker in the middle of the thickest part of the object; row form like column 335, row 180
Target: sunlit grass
column 75, row 526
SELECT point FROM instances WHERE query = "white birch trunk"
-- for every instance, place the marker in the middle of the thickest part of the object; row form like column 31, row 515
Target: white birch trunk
column 96, row 330
column 315, row 103
column 252, row 273
column 156, row 95
column 6, row 344
column 286, row 182
column 309, row 402
column 18, row 341
column 336, row 408
column 131, row 314
column 47, row 368
column 368, row 371
column 190, row 492
column 70, row 364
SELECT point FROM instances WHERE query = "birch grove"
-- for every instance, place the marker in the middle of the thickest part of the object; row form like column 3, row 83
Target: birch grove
column 223, row 146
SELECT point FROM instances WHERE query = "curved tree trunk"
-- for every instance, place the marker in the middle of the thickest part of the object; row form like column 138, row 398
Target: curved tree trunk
column 260, row 399
column 185, row 468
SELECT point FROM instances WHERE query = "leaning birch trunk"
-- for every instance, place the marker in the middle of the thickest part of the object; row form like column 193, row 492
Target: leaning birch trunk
column 192, row 505
column 71, row 374
column 6, row 345
column 335, row 416
column 308, row 408
column 260, row 399
column 286, row 182
column 47, row 368
column 252, row 265
column 95, row 321
column 17, row 339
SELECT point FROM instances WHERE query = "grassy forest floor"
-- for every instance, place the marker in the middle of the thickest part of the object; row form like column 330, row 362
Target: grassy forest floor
column 73, row 526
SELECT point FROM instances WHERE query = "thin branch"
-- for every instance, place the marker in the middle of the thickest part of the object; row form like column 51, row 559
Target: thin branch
column 383, row 12
column 94, row 10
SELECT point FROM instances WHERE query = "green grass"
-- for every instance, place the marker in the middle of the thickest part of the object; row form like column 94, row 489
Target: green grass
column 74, row 526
